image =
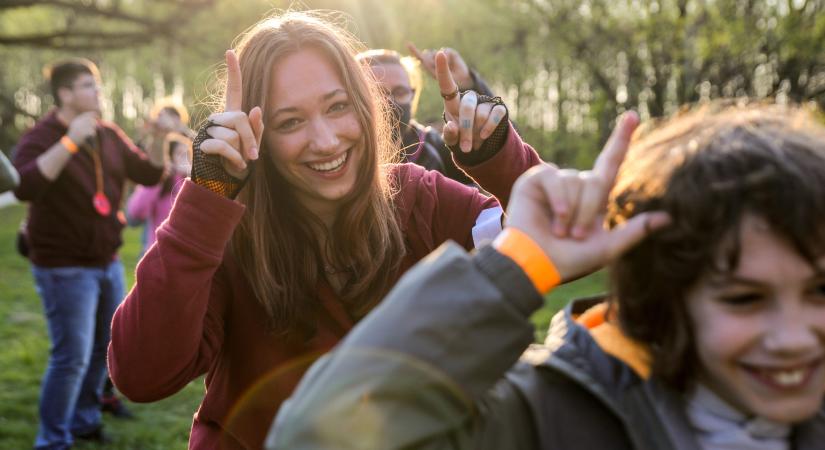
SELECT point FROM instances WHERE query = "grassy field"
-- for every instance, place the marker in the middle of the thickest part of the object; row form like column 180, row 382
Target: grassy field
column 162, row 425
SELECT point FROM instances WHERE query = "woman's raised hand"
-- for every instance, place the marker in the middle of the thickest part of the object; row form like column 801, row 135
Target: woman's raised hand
column 237, row 136
column 563, row 211
column 468, row 122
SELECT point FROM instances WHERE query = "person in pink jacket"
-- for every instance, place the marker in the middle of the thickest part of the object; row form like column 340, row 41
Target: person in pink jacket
column 294, row 225
column 151, row 204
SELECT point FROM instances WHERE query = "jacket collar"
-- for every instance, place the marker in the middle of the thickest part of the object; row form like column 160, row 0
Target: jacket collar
column 593, row 352
column 576, row 351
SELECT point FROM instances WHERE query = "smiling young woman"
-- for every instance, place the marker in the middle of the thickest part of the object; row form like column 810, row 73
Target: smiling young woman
column 294, row 225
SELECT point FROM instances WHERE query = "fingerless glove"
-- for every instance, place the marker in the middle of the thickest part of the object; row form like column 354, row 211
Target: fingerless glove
column 492, row 144
column 208, row 170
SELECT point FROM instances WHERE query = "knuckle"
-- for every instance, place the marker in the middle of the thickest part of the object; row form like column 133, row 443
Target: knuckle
column 522, row 181
column 214, row 145
column 209, row 145
column 587, row 175
column 535, row 172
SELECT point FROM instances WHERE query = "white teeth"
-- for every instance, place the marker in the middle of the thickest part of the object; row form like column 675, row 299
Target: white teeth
column 788, row 377
column 331, row 165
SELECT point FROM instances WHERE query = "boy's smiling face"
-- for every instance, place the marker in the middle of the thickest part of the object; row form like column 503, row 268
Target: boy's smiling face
column 759, row 329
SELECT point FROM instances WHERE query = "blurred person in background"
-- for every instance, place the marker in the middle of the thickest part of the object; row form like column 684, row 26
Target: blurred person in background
column 9, row 178
column 401, row 82
column 72, row 167
column 151, row 204
column 167, row 118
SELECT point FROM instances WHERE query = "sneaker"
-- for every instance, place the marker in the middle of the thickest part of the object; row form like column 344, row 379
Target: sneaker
column 98, row 436
column 114, row 406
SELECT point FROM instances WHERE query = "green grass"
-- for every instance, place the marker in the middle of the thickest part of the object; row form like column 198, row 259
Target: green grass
column 162, row 425
column 558, row 298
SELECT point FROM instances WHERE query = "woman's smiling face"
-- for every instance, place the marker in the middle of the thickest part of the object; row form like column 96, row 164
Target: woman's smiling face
column 760, row 329
column 312, row 129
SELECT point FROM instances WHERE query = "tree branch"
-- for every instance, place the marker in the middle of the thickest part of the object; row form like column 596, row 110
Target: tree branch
column 69, row 39
column 78, row 40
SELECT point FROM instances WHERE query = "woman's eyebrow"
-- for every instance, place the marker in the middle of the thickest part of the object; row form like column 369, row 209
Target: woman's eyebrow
column 287, row 109
column 333, row 93
column 281, row 111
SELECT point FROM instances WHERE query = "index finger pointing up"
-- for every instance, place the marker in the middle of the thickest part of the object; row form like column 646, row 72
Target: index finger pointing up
column 447, row 85
column 234, row 84
column 612, row 156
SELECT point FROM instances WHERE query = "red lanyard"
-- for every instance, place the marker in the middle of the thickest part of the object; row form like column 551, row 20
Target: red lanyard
column 99, row 200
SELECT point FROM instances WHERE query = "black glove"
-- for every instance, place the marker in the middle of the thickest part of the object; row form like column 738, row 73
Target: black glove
column 208, row 170
column 492, row 144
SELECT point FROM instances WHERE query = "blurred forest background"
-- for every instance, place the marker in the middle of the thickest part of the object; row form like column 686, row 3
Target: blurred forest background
column 565, row 68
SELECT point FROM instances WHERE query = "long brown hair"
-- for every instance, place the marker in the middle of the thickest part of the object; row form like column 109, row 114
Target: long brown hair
column 709, row 167
column 276, row 243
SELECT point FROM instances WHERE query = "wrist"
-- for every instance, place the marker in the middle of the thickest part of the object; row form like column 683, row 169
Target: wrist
column 69, row 143
column 525, row 252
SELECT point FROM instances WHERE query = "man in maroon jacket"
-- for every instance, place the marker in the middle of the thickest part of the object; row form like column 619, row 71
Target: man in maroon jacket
column 72, row 169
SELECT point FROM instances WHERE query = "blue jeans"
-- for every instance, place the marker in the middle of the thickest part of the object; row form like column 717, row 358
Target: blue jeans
column 79, row 303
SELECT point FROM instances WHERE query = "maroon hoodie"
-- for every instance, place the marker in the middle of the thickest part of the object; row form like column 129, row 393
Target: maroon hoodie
column 64, row 229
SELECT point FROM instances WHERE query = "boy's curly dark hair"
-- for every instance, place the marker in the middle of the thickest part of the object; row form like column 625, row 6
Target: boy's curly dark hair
column 709, row 167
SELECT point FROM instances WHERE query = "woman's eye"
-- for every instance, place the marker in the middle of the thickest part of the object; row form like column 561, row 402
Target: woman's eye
column 338, row 106
column 288, row 124
column 743, row 299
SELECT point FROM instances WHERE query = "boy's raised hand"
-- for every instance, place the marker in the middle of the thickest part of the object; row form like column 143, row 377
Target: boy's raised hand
column 563, row 211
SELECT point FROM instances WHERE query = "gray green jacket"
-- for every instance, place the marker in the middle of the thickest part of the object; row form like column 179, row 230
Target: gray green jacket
column 435, row 366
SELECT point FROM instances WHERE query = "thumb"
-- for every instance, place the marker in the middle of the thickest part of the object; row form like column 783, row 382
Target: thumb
column 257, row 124
column 634, row 231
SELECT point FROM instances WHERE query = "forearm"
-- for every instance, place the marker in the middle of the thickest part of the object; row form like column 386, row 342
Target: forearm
column 155, row 150
column 427, row 356
column 53, row 160
column 144, row 167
